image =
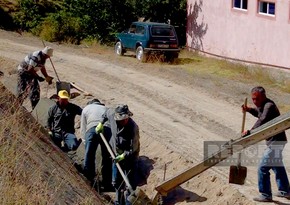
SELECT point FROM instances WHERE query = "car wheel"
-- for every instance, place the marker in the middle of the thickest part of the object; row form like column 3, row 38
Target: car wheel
column 140, row 55
column 118, row 49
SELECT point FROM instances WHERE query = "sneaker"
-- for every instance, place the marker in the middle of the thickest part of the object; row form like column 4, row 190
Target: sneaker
column 282, row 194
column 262, row 198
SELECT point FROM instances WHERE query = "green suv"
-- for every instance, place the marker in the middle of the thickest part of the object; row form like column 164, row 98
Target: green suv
column 146, row 38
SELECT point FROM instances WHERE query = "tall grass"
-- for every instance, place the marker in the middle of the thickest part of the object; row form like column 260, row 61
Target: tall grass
column 34, row 171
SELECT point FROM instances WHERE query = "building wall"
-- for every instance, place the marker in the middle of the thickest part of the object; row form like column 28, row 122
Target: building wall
column 214, row 27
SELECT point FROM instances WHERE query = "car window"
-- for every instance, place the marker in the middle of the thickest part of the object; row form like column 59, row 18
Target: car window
column 132, row 29
column 162, row 31
column 140, row 30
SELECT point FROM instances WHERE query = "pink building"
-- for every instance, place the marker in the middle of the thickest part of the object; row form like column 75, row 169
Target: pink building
column 256, row 31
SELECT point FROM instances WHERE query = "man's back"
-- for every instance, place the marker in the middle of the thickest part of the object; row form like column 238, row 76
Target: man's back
column 62, row 119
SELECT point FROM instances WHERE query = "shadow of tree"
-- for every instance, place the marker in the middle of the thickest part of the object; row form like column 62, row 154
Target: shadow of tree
column 6, row 20
column 145, row 165
column 195, row 30
column 181, row 195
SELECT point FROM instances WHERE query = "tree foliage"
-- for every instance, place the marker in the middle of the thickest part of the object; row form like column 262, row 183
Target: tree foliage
column 95, row 19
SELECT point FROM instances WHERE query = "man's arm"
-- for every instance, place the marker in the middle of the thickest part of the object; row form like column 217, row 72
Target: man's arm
column 49, row 119
column 136, row 141
column 253, row 111
column 83, row 124
column 265, row 116
column 43, row 71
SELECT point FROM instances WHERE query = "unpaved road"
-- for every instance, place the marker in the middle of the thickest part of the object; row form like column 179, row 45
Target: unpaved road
column 176, row 112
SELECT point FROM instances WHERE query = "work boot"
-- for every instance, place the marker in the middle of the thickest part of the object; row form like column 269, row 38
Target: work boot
column 282, row 194
column 262, row 198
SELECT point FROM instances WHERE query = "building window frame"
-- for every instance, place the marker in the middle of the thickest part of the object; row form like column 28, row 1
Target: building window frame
column 240, row 5
column 265, row 7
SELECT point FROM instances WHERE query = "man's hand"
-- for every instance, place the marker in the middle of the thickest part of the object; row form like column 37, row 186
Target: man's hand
column 40, row 79
column 245, row 108
column 246, row 133
column 48, row 79
column 50, row 133
column 119, row 158
column 99, row 128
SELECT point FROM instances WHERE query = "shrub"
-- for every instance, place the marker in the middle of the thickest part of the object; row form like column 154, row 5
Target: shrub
column 61, row 27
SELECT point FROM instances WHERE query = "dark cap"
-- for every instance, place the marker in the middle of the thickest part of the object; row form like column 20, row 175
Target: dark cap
column 122, row 112
column 95, row 101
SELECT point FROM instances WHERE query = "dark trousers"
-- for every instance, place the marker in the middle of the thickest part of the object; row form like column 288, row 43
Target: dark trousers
column 92, row 141
column 129, row 167
column 28, row 85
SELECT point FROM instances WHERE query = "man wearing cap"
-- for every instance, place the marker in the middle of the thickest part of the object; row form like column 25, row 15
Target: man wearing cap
column 28, row 78
column 91, row 116
column 61, row 121
column 125, row 143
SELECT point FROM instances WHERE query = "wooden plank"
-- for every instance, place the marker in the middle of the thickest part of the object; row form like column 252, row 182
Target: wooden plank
column 263, row 132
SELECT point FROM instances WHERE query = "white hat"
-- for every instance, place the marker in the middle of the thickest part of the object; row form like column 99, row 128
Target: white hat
column 48, row 51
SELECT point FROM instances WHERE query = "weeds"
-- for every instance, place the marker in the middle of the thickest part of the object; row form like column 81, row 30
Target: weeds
column 33, row 171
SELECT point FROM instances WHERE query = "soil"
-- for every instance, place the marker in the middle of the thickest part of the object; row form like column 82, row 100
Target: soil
column 176, row 112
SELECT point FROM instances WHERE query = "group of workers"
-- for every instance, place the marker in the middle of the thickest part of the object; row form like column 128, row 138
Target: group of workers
column 114, row 123
column 119, row 131
column 122, row 133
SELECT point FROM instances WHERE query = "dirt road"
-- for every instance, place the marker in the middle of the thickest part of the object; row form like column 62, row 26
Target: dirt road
column 176, row 113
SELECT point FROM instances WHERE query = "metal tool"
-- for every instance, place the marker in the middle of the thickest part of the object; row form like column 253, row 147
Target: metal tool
column 238, row 173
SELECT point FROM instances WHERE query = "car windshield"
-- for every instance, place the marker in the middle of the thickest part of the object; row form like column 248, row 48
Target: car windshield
column 162, row 31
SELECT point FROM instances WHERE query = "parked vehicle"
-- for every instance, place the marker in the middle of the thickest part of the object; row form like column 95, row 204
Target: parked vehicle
column 146, row 38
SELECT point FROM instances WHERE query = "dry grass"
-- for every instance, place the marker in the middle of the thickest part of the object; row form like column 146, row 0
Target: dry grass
column 201, row 65
column 33, row 171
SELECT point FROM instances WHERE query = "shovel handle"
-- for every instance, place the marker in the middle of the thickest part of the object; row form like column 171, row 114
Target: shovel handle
column 243, row 128
column 117, row 164
column 244, row 116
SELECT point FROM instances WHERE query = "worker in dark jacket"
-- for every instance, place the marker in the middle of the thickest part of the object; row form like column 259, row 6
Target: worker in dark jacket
column 265, row 111
column 61, row 122
column 126, row 145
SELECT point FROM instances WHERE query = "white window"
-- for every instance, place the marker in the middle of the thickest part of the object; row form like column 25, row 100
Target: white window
column 267, row 8
column 240, row 4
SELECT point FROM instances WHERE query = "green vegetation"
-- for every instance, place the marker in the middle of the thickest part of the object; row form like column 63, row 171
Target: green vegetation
column 76, row 20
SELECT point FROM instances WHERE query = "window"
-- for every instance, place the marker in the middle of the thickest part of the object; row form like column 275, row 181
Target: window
column 162, row 31
column 132, row 29
column 240, row 4
column 140, row 30
column 267, row 8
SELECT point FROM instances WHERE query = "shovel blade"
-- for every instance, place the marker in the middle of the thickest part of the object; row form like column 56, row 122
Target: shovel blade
column 237, row 175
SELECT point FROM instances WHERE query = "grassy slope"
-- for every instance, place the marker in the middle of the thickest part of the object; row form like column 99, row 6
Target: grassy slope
column 32, row 168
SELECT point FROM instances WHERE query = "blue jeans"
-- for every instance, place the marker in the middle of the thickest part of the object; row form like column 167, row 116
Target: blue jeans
column 272, row 159
column 93, row 140
column 70, row 141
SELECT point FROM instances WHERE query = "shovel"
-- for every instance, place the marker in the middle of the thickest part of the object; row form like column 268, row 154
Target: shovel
column 238, row 173
column 135, row 197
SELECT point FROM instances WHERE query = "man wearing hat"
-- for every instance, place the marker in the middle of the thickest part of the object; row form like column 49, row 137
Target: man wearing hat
column 61, row 122
column 28, row 78
column 92, row 115
column 124, row 140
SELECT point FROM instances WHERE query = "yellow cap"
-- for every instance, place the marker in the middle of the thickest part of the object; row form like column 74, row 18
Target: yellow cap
column 63, row 94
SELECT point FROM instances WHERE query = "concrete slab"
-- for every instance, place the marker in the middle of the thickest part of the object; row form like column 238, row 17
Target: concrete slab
column 40, row 112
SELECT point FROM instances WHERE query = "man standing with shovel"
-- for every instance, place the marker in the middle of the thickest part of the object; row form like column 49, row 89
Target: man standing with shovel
column 126, row 146
column 265, row 111
column 28, row 78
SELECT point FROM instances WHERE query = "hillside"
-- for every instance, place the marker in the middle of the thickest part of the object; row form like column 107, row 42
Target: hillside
column 33, row 170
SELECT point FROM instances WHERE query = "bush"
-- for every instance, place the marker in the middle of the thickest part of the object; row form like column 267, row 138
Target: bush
column 61, row 27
